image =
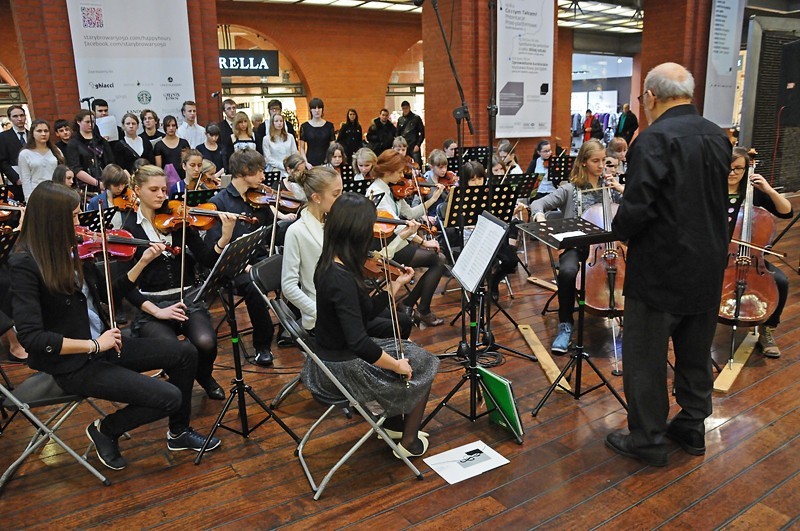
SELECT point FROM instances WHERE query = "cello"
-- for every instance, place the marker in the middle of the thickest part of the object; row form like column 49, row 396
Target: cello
column 749, row 290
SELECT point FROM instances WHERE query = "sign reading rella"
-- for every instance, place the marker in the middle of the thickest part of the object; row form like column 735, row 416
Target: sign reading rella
column 248, row 63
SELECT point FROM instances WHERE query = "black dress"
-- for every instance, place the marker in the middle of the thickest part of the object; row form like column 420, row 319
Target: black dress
column 351, row 138
column 172, row 155
column 343, row 309
column 90, row 155
column 317, row 140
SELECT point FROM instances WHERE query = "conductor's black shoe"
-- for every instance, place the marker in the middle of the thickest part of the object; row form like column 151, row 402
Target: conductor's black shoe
column 264, row 357
column 107, row 448
column 213, row 389
column 620, row 443
column 692, row 442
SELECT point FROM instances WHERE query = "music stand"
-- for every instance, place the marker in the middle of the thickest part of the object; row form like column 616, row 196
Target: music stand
column 573, row 233
column 196, row 197
column 470, row 272
column 559, row 169
column 480, row 153
column 347, row 172
column 359, row 187
column 452, row 164
column 91, row 218
column 231, row 263
column 272, row 178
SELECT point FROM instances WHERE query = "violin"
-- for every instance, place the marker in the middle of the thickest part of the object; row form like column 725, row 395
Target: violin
column 8, row 207
column 449, row 179
column 201, row 217
column 412, row 168
column 749, row 290
column 408, row 187
column 266, row 196
column 120, row 244
column 377, row 268
column 205, row 181
column 385, row 224
column 605, row 267
column 126, row 201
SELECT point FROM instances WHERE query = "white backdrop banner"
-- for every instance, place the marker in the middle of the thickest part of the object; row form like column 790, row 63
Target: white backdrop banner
column 135, row 55
column 724, row 40
column 524, row 68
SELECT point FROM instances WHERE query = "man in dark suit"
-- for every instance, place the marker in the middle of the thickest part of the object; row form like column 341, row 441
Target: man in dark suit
column 226, row 125
column 627, row 124
column 274, row 107
column 410, row 127
column 11, row 143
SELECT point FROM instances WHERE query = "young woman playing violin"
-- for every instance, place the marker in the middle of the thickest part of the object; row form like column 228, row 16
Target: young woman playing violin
column 303, row 245
column 767, row 197
column 399, row 384
column 247, row 170
column 160, row 281
column 388, row 170
column 60, row 321
column 116, row 193
column 573, row 198
column 192, row 165
column 363, row 161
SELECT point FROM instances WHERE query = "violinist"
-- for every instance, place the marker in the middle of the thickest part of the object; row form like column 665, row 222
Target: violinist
column 63, row 175
column 192, row 164
column 509, row 157
column 65, row 330
column 437, row 173
column 573, row 199
column 247, row 170
column 400, row 145
column 160, row 282
column 611, row 169
column 335, row 157
column 303, row 245
column 295, row 165
column 540, row 166
column 363, row 161
column 115, row 185
column 767, row 197
column 389, row 170
column 371, row 370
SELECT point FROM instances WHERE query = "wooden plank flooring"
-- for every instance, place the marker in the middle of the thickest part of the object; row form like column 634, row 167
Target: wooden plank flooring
column 562, row 476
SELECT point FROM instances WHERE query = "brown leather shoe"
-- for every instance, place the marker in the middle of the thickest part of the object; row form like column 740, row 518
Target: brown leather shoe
column 429, row 319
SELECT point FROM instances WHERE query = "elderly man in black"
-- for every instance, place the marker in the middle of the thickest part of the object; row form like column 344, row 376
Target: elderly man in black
column 674, row 219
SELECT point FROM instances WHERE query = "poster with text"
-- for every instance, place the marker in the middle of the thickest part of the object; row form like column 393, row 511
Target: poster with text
column 724, row 37
column 524, row 68
column 134, row 55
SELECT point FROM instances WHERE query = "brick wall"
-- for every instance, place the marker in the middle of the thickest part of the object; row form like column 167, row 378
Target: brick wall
column 10, row 57
column 344, row 56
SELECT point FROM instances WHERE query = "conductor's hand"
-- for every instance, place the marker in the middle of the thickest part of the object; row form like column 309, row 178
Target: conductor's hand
column 403, row 368
column 176, row 312
column 539, row 217
column 110, row 339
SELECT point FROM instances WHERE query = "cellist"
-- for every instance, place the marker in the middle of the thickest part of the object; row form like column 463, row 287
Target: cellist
column 573, row 198
column 767, row 197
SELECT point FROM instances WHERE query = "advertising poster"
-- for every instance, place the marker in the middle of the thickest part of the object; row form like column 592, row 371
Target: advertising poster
column 524, row 67
column 724, row 40
column 135, row 55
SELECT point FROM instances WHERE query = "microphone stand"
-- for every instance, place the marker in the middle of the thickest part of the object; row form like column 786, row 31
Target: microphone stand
column 459, row 113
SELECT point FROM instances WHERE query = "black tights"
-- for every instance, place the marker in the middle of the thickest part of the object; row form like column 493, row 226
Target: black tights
column 413, row 256
column 410, row 422
column 200, row 333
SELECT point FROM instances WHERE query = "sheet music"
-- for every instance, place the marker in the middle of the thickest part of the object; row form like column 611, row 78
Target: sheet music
column 107, row 125
column 477, row 255
column 571, row 234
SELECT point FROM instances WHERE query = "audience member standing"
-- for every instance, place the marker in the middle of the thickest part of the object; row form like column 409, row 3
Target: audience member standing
column 39, row 158
column 190, row 130
column 381, row 133
column 410, row 127
column 11, row 142
column 627, row 124
column 315, row 135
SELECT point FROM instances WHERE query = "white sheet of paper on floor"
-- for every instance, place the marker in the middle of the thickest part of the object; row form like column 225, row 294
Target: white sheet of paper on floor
column 465, row 462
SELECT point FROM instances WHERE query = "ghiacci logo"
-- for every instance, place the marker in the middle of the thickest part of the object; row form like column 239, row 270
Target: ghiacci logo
column 102, row 85
column 144, row 97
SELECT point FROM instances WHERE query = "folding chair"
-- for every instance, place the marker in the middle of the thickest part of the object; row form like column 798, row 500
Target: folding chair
column 41, row 390
column 376, row 422
column 266, row 276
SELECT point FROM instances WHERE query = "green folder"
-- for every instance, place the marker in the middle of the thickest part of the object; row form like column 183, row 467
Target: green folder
column 501, row 398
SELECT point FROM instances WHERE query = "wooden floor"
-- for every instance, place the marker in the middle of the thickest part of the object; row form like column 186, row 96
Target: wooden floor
column 561, row 477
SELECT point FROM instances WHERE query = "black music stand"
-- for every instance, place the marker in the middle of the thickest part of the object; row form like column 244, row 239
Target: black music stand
column 573, row 233
column 91, row 218
column 196, row 197
column 359, row 187
column 347, row 172
column 231, row 263
column 559, row 169
column 272, row 178
column 470, row 271
column 480, row 153
column 465, row 207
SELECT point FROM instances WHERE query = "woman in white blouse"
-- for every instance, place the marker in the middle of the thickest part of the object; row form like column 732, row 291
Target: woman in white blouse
column 39, row 158
column 278, row 145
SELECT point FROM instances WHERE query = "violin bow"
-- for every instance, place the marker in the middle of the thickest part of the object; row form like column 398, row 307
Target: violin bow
column 107, row 270
column 183, row 238
column 422, row 202
column 275, row 220
column 393, row 314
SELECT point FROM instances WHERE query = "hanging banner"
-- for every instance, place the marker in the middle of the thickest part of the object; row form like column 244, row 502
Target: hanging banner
column 724, row 38
column 134, row 55
column 524, row 68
